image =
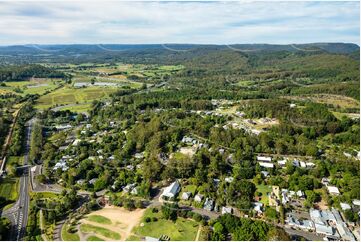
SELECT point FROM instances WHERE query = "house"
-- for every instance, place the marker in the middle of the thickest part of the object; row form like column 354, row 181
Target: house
column 300, row 194
column 345, row 206
column 134, row 191
column 76, row 142
column 62, row 165
column 356, row 202
column 310, row 164
column 138, row 156
column 325, row 181
column 265, row 173
column 198, row 198
column 208, row 204
column 92, row 181
column 80, row 181
column 171, row 190
column 186, row 195
column 266, row 165
column 257, row 206
column 292, row 105
column 282, row 163
column 129, row 187
column 333, row 190
column 227, row 210
column 264, row 158
column 296, row 163
column 302, row 164
column 63, row 127
column 229, row 179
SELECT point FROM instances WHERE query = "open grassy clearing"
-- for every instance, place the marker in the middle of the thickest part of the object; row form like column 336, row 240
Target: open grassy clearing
column 68, row 95
column 99, row 219
column 9, row 189
column 88, row 228
column 33, row 86
column 181, row 229
column 335, row 100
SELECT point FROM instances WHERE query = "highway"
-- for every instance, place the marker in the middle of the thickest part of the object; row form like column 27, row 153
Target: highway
column 18, row 214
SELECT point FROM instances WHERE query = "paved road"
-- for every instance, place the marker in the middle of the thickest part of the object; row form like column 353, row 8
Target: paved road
column 18, row 214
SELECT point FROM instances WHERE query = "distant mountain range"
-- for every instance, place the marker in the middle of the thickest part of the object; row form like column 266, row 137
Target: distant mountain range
column 341, row 48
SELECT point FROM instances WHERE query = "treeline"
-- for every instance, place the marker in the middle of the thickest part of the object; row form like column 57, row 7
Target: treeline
column 36, row 142
column 25, row 72
column 243, row 229
column 18, row 137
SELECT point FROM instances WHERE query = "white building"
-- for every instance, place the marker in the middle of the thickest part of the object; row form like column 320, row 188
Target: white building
column 345, row 206
column 333, row 190
column 227, row 210
column 266, row 165
column 186, row 195
column 264, row 158
column 198, row 198
column 171, row 190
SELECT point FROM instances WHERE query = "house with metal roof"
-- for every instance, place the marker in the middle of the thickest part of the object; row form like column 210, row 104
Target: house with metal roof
column 171, row 190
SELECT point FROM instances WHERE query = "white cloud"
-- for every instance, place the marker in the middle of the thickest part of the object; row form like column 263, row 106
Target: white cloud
column 178, row 22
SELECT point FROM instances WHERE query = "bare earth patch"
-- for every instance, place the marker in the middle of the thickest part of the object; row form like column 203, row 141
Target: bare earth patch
column 123, row 220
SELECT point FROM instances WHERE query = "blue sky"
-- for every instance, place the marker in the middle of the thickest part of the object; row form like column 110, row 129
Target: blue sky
column 66, row 22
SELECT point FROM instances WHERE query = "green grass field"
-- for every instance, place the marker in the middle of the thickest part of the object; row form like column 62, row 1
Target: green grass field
column 88, row 228
column 94, row 238
column 99, row 219
column 9, row 189
column 181, row 229
column 30, row 87
column 264, row 189
column 66, row 236
column 68, row 95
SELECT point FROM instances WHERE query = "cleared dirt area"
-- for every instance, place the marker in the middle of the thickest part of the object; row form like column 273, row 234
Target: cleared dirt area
column 122, row 220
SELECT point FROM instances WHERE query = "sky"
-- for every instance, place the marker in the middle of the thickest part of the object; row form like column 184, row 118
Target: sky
column 119, row 22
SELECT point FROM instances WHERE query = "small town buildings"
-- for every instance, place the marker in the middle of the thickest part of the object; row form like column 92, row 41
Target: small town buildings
column 325, row 181
column 333, row 190
column 266, row 165
column 134, row 191
column 92, row 181
column 300, row 194
column 62, row 165
column 356, row 202
column 345, row 206
column 344, row 232
column 229, row 179
column 129, row 187
column 265, row 173
column 198, row 198
column 186, row 195
column 80, row 181
column 264, row 158
column 227, row 210
column 208, row 204
column 282, row 163
column 257, row 206
column 171, row 191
